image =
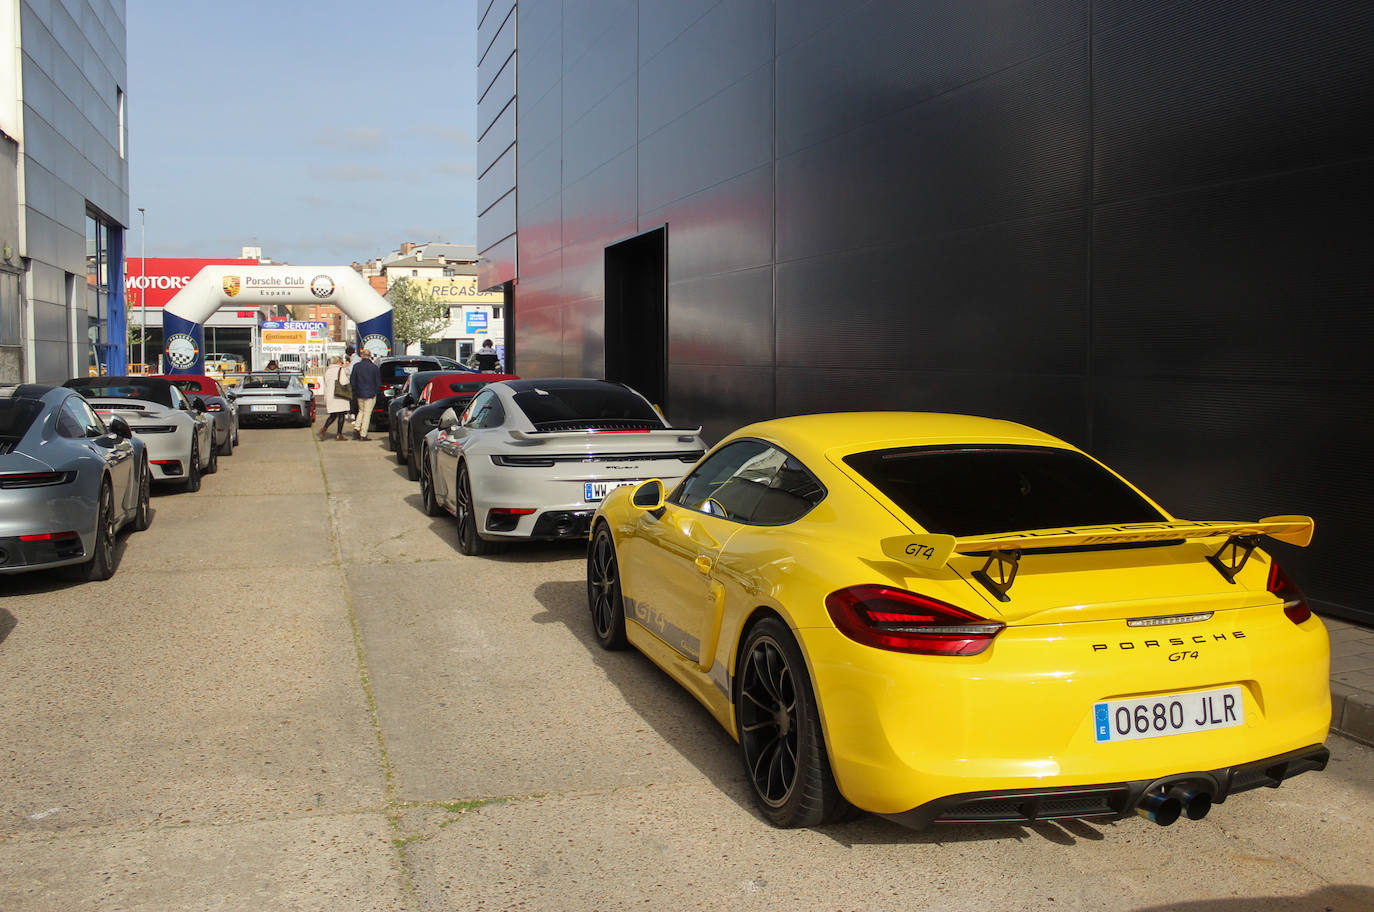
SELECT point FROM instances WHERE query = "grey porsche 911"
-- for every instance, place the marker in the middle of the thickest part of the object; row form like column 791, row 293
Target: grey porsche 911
column 68, row 483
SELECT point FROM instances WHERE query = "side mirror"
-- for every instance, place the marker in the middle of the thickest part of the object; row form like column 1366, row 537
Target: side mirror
column 448, row 419
column 198, row 404
column 120, row 427
column 648, row 496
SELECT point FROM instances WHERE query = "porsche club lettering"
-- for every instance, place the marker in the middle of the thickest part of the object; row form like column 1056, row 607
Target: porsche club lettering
column 1173, row 643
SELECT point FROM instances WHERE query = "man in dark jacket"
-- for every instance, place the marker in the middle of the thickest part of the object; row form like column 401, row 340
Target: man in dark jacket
column 366, row 380
column 486, row 358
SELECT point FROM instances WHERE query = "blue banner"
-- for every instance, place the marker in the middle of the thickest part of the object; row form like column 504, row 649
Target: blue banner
column 375, row 335
column 183, row 344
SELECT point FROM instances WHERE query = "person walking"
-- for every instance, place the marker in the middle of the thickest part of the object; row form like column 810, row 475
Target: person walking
column 366, row 380
column 336, row 406
column 350, row 359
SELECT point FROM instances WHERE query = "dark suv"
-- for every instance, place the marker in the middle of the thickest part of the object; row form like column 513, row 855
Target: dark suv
column 396, row 372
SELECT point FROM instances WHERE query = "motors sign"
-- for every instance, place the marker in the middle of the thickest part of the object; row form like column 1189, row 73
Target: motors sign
column 159, row 278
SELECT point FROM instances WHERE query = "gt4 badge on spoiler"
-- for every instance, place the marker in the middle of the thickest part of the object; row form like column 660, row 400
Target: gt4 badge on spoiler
column 930, row 551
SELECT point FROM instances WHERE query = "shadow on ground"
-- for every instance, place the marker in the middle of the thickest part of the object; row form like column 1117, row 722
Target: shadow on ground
column 694, row 733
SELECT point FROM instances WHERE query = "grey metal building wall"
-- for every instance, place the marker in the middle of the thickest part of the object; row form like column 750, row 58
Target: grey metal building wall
column 496, row 149
column 74, row 67
column 1133, row 223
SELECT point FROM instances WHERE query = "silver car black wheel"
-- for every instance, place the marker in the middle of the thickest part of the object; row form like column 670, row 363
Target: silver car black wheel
column 469, row 542
column 193, row 469
column 101, row 565
column 428, row 502
column 143, row 515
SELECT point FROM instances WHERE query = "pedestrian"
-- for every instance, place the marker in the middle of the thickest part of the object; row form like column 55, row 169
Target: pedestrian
column 366, row 380
column 486, row 357
column 350, row 359
column 335, row 405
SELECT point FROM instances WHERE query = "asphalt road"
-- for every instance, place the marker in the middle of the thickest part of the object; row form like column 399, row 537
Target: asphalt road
column 296, row 694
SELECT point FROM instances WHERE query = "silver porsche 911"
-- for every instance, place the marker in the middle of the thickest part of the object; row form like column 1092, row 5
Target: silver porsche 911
column 68, row 483
column 180, row 438
column 531, row 459
column 274, row 397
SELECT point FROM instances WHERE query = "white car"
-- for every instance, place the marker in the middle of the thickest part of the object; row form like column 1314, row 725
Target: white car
column 179, row 437
column 531, row 459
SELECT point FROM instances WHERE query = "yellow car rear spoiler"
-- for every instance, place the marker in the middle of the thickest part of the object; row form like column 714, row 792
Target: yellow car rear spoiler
column 933, row 551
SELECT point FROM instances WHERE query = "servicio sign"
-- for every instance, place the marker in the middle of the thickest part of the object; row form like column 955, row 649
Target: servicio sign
column 293, row 337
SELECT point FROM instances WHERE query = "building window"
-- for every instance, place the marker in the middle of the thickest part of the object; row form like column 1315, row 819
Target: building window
column 97, row 293
column 9, row 308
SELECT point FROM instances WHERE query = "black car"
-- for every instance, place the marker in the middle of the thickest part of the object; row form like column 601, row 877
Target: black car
column 406, row 397
column 444, row 392
column 396, row 372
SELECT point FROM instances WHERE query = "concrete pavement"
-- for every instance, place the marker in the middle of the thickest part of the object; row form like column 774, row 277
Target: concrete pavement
column 296, row 694
column 1352, row 679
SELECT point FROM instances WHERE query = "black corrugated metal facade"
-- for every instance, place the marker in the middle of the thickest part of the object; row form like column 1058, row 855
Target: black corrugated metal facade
column 1141, row 225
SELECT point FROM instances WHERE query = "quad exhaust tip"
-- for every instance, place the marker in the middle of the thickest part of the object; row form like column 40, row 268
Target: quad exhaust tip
column 1164, row 808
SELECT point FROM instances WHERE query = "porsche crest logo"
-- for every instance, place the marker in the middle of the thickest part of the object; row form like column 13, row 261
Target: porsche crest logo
column 231, row 285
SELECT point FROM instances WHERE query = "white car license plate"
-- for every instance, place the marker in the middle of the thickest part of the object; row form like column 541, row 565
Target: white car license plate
column 1172, row 714
column 264, row 408
column 593, row 491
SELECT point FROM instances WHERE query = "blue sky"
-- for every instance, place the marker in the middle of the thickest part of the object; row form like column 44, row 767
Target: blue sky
column 323, row 131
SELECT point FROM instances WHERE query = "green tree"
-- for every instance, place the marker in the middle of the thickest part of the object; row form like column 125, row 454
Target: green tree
column 417, row 314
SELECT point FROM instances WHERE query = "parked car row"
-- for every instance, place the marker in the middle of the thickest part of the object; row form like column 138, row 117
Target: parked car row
column 935, row 618
column 78, row 462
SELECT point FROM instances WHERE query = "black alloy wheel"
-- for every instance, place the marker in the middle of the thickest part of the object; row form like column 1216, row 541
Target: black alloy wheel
column 227, row 448
column 213, row 465
column 143, row 514
column 780, row 732
column 604, row 598
column 391, row 439
column 193, row 469
column 412, row 464
column 469, row 542
column 101, row 565
column 428, row 502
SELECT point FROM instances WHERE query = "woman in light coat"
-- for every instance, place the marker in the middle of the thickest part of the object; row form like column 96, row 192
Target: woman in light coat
column 336, row 407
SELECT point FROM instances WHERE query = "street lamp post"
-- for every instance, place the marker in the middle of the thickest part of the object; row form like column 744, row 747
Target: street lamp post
column 143, row 294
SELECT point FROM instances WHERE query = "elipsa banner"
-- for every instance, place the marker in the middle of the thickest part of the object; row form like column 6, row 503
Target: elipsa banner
column 161, row 277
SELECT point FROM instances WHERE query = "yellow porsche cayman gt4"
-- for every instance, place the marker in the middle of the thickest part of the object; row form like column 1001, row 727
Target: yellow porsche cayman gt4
column 941, row 618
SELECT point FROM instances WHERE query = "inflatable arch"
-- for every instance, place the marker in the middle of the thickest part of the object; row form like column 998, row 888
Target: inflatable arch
column 183, row 319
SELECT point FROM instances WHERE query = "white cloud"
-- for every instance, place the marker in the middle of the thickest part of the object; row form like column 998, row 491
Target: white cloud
column 458, row 168
column 353, row 173
column 351, row 138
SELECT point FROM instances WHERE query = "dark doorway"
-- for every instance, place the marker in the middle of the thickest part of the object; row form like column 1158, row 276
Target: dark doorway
column 507, row 314
column 637, row 314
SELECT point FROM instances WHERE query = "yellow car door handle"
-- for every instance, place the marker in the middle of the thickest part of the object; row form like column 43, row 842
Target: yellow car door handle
column 704, row 563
